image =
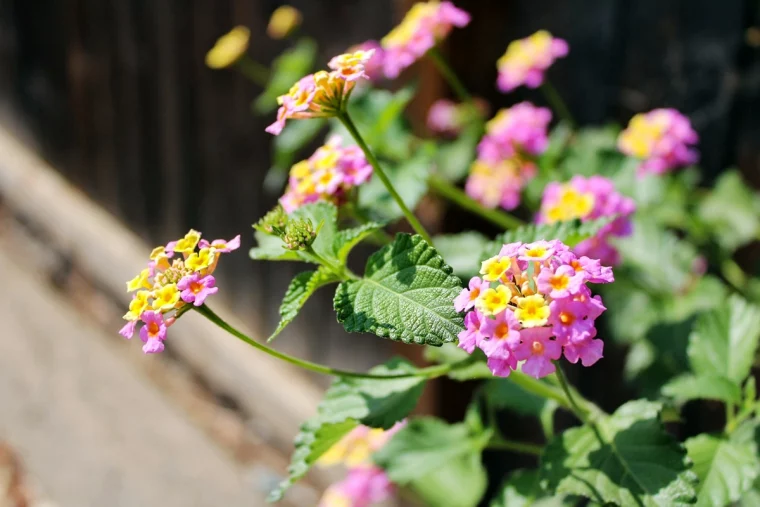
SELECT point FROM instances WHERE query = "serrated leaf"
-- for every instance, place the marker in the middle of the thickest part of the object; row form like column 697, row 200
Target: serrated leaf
column 628, row 460
column 726, row 469
column 289, row 67
column 705, row 387
column 298, row 292
column 522, row 489
column 732, row 211
column 347, row 239
column 462, row 251
column 406, row 294
column 347, row 403
column 724, row 340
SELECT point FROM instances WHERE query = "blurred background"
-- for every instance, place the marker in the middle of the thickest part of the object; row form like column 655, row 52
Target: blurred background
column 142, row 141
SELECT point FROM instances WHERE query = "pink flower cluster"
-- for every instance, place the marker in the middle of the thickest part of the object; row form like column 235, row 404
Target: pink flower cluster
column 526, row 60
column 327, row 175
column 503, row 167
column 588, row 199
column 177, row 276
column 373, row 68
column 532, row 304
column 322, row 94
column 449, row 118
column 424, row 25
column 365, row 483
column 662, row 138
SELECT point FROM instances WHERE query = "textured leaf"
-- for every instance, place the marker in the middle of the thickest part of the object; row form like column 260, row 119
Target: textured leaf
column 459, row 482
column 299, row 290
column 628, row 460
column 347, row 403
column 287, row 68
column 726, row 469
column 406, row 294
column 347, row 239
column 706, row 387
column 724, row 340
column 732, row 211
column 522, row 489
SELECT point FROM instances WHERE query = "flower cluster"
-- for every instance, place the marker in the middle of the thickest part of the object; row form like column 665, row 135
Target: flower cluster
column 531, row 304
column 662, row 138
column 449, row 118
column 178, row 275
column 424, row 25
column 502, row 168
column 373, row 68
column 589, row 199
column 526, row 60
column 327, row 175
column 365, row 483
column 323, row 93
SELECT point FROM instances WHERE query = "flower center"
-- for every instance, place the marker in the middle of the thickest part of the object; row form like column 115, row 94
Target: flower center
column 153, row 328
column 536, row 252
column 196, row 287
column 559, row 282
column 537, row 348
column 501, row 331
column 566, row 318
column 474, row 293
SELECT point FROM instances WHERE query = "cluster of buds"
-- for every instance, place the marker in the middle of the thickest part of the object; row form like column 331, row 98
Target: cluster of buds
column 422, row 28
column 526, row 60
column 589, row 199
column 327, row 175
column 662, row 138
column 322, row 94
column 365, row 483
column 178, row 275
column 449, row 118
column 532, row 304
column 503, row 166
column 295, row 233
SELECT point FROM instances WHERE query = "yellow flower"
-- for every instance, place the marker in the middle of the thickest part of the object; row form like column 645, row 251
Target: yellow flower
column 138, row 305
column 532, row 311
column 158, row 255
column 229, row 48
column 284, row 21
column 140, row 281
column 188, row 243
column 494, row 301
column 494, row 268
column 201, row 260
column 167, row 298
column 355, row 448
column 301, row 170
column 571, row 205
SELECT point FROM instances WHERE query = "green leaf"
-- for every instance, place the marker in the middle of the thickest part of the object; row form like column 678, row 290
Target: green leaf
column 454, row 159
column 724, row 340
column 347, row 403
column 726, row 469
column 462, row 251
column 593, row 151
column 347, row 239
column 460, row 482
column 505, row 394
column 628, row 460
column 270, row 248
column 299, row 290
column 406, row 294
column 449, row 353
column 732, row 211
column 325, row 214
column 706, row 387
column 523, row 489
column 289, row 67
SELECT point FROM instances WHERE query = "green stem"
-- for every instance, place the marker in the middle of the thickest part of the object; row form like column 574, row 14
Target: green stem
column 458, row 197
column 253, row 70
column 342, row 272
column 449, row 75
column 510, row 445
column 579, row 412
column 730, row 419
column 428, row 373
column 556, row 102
column 378, row 171
column 540, row 388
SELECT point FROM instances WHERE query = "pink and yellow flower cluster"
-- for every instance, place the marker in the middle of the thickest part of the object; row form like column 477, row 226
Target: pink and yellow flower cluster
column 323, row 93
column 365, row 483
column 328, row 175
column 526, row 60
column 502, row 168
column 178, row 275
column 662, row 138
column 588, row 199
column 424, row 25
column 531, row 305
column 449, row 118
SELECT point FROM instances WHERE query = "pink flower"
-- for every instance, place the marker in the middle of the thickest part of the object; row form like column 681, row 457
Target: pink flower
column 373, row 68
column 422, row 28
column 538, row 351
column 526, row 60
column 220, row 245
column 662, row 139
column 571, row 321
column 195, row 288
column 502, row 338
column 472, row 335
column 588, row 351
column 128, row 330
column 520, row 129
column 362, row 487
column 153, row 332
column 560, row 283
column 538, row 251
column 499, row 184
column 467, row 297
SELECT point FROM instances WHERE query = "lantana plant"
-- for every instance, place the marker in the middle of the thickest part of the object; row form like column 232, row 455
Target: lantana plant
column 605, row 242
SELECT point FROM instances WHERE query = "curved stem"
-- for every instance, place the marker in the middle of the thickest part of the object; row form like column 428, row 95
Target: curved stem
column 428, row 373
column 458, row 197
column 510, row 445
column 579, row 412
column 416, row 225
column 556, row 102
column 449, row 75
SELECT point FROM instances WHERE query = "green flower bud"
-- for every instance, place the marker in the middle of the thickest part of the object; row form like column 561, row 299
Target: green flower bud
column 273, row 223
column 299, row 234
